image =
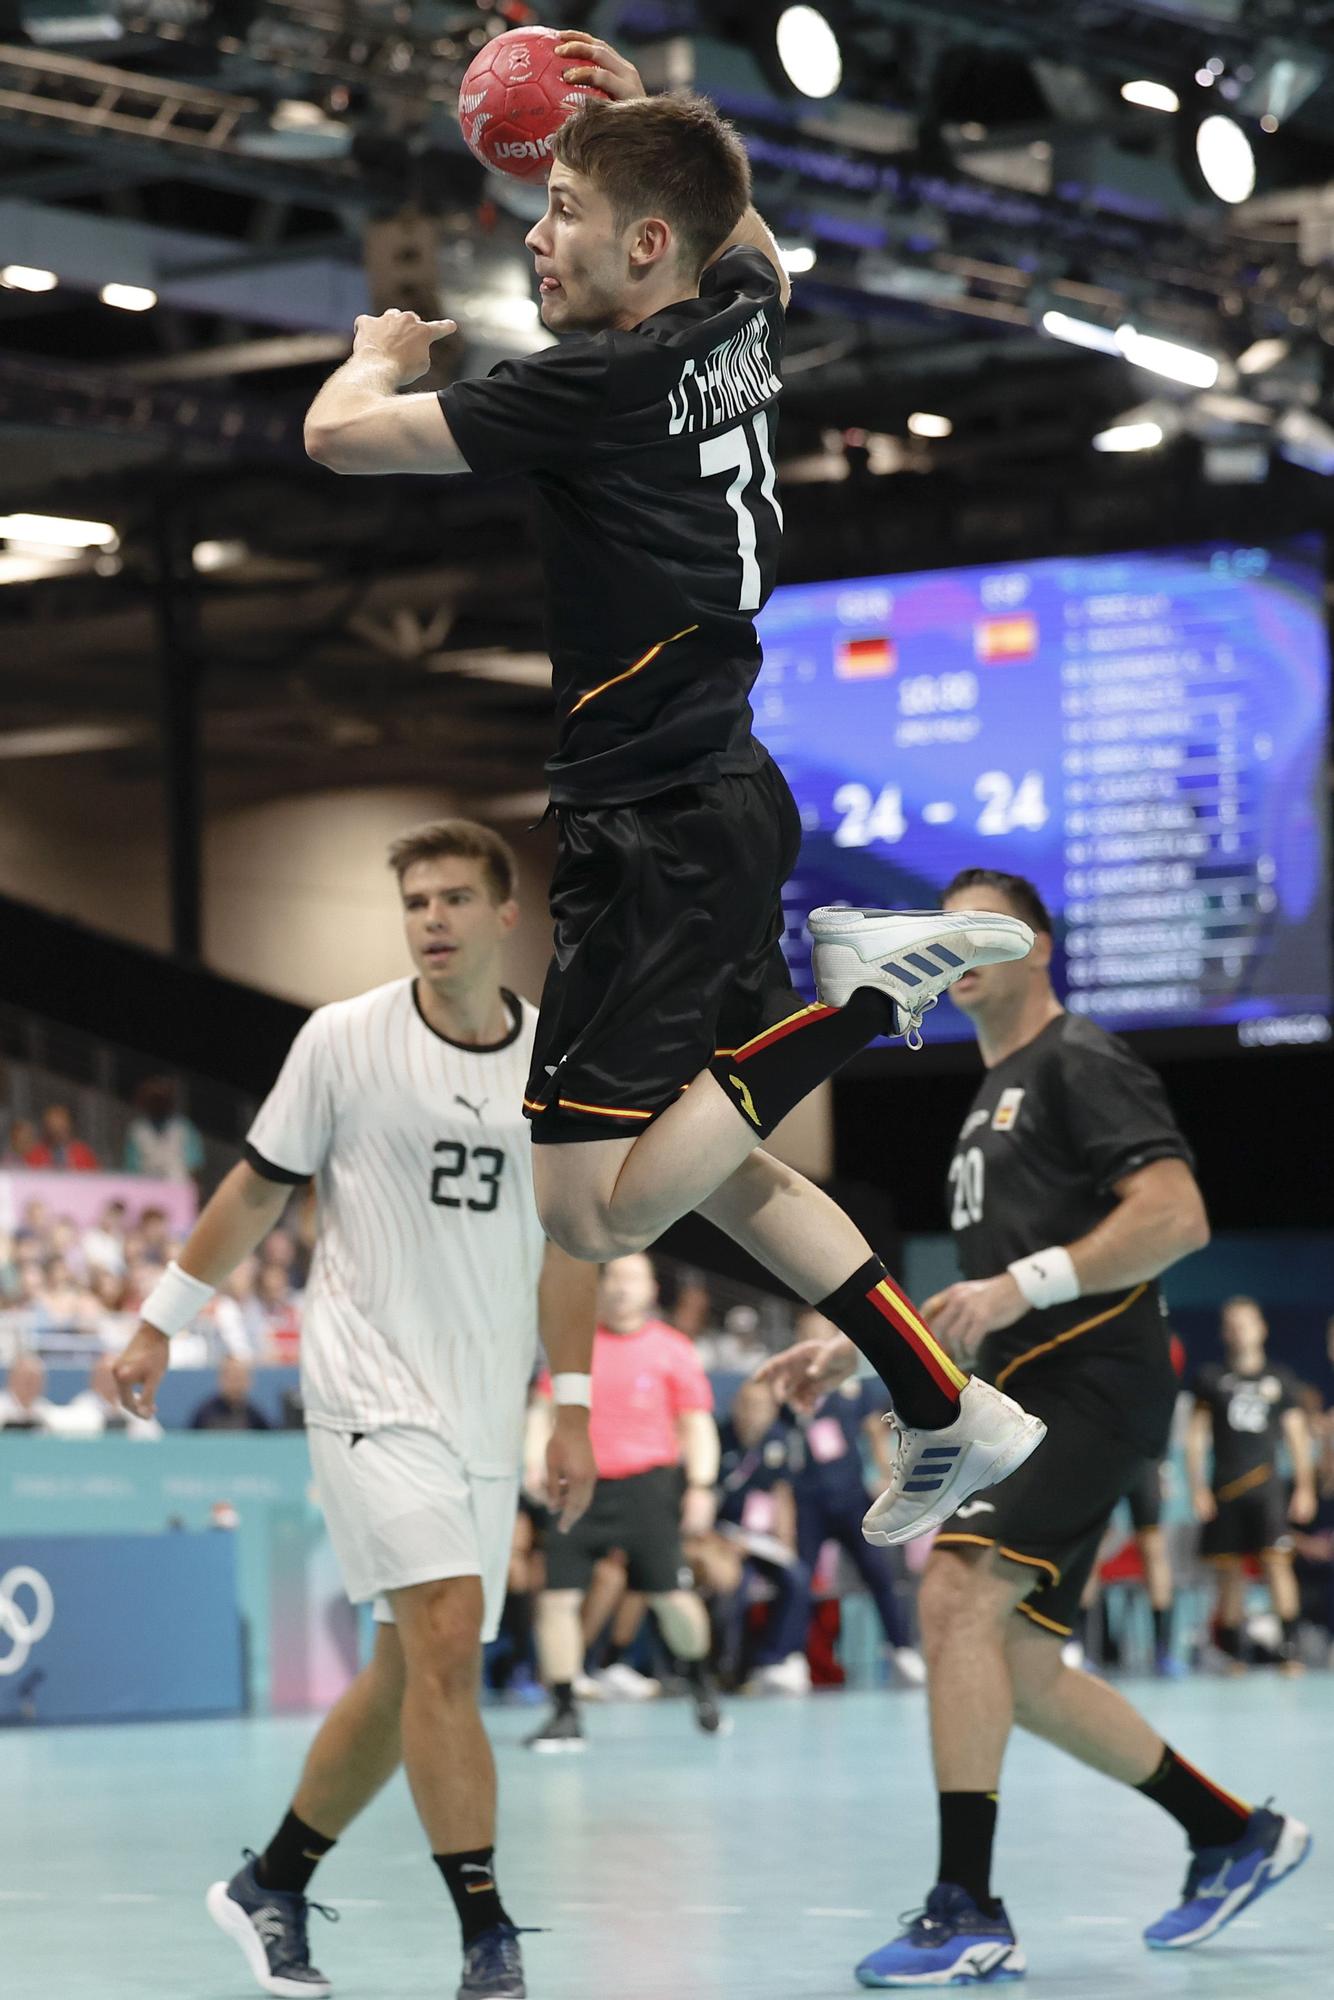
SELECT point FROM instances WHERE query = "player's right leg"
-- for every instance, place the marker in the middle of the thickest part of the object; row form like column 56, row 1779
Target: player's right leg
column 264, row 1908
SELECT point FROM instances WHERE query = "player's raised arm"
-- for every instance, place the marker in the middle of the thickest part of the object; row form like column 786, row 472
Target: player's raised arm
column 358, row 423
column 237, row 1219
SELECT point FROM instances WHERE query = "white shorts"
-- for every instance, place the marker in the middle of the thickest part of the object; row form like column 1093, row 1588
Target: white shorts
column 402, row 1508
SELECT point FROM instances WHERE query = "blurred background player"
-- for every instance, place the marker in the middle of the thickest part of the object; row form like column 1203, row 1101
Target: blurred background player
column 430, row 1279
column 1071, row 1191
column 671, row 1041
column 652, row 1422
column 753, row 1554
column 828, row 1476
column 1245, row 1408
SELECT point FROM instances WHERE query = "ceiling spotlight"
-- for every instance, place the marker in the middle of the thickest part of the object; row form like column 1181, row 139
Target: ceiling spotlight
column 1262, row 355
column 797, row 257
column 128, row 298
column 1129, row 437
column 1081, row 332
column 1225, row 158
column 809, row 51
column 52, row 531
column 1152, row 96
column 25, row 278
column 1168, row 358
column 923, row 424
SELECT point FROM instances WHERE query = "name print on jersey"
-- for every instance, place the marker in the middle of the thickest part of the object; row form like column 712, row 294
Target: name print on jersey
column 735, row 377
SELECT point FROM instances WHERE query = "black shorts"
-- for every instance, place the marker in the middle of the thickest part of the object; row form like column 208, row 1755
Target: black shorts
column 1144, row 1496
column 667, row 916
column 641, row 1516
column 1050, row 1516
column 1249, row 1522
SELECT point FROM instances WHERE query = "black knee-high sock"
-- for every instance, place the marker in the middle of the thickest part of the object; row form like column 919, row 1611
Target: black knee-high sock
column 1162, row 1628
column 291, row 1857
column 967, row 1837
column 1211, row 1817
column 772, row 1072
column 471, row 1880
column 919, row 1375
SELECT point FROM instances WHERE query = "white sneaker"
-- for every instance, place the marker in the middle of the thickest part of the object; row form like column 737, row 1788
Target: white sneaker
column 911, row 955
column 621, row 1682
column 588, row 1688
column 789, row 1676
column 908, row 1665
column 935, row 1470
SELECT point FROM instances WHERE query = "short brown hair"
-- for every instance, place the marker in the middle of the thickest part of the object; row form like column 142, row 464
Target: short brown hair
column 467, row 839
column 673, row 156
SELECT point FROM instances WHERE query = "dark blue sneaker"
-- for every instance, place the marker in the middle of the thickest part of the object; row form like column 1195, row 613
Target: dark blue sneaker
column 1223, row 1881
column 949, row 1943
column 493, row 1966
column 270, row 1928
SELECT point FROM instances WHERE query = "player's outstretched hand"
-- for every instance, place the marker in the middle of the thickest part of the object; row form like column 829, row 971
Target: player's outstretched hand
column 803, row 1374
column 140, row 1368
column 1304, row 1506
column 571, row 1471
column 1206, row 1507
column 599, row 65
column 402, row 338
column 964, row 1314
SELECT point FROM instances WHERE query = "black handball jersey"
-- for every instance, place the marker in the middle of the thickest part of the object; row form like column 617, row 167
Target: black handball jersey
column 1246, row 1414
column 659, row 524
column 1051, row 1132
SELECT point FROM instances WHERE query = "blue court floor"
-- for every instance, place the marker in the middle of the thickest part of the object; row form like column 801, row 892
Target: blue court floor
column 664, row 1864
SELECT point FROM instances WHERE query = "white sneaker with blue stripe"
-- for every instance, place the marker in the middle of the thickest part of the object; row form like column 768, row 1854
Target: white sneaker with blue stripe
column 935, row 1471
column 949, row 1943
column 910, row 955
column 1223, row 1881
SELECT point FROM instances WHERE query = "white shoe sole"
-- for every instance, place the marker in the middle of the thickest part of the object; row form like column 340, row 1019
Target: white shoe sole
column 980, row 1468
column 233, row 1922
column 562, row 1748
column 1294, row 1844
column 979, row 1966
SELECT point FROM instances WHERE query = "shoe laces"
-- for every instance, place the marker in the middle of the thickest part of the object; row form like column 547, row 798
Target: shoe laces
column 298, row 1918
column 496, row 1952
column 898, row 1443
column 920, row 1925
column 911, row 1031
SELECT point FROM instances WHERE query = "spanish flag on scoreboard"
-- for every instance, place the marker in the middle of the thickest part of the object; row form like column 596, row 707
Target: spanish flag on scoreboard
column 997, row 641
column 865, row 659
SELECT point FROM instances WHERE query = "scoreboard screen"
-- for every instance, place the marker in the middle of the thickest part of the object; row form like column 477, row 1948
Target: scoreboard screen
column 1144, row 736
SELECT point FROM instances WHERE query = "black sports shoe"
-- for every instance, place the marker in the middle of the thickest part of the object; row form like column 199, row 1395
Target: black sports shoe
column 270, row 1928
column 562, row 1730
column 708, row 1709
column 493, row 1966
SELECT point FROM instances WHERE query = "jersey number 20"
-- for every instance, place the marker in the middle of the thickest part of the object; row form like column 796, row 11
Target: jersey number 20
column 968, row 1178
column 731, row 452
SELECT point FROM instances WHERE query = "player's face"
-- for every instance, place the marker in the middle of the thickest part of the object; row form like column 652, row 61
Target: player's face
column 996, row 989
column 1244, row 1332
column 626, row 1293
column 580, row 256
column 454, row 927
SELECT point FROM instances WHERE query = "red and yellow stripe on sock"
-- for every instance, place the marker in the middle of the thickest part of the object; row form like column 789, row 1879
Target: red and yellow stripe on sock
column 889, row 1301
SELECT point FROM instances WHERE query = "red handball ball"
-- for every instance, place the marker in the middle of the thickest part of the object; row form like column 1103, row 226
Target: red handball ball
column 514, row 99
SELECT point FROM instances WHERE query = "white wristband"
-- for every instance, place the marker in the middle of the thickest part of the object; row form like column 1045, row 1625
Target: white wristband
column 573, row 1388
column 175, row 1299
column 1047, row 1278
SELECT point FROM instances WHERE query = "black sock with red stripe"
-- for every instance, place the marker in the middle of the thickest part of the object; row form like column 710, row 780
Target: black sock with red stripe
column 1212, row 1818
column 879, row 1321
column 772, row 1072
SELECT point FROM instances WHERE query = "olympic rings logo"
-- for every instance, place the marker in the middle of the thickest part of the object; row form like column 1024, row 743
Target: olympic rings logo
column 23, row 1628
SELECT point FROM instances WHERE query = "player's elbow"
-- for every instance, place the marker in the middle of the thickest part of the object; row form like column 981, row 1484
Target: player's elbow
column 331, row 446
column 1190, row 1224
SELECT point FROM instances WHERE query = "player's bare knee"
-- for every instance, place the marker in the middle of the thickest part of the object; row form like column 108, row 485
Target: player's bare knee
column 443, row 1636
column 949, row 1601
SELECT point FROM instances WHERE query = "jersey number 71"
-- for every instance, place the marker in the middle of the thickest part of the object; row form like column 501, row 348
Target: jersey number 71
column 731, row 452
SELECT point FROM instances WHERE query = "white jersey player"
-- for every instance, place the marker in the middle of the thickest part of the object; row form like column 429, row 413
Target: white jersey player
column 430, row 1282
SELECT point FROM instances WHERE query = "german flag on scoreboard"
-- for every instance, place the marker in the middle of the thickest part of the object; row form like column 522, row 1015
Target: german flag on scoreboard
column 865, row 659
column 997, row 641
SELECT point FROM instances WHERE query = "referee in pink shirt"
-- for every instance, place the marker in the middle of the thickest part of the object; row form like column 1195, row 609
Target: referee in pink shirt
column 652, row 1419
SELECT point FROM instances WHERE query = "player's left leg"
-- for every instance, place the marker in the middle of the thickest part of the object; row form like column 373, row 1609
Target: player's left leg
column 1237, row 1851
column 684, row 1624
column 1281, row 1580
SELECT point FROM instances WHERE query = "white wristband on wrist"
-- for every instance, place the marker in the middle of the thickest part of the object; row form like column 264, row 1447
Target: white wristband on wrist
column 572, row 1388
column 1047, row 1278
column 175, row 1299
